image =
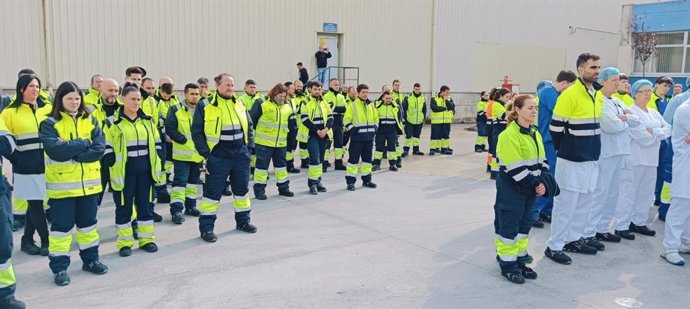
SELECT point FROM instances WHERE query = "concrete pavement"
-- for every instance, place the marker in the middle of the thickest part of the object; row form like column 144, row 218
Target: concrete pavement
column 423, row 239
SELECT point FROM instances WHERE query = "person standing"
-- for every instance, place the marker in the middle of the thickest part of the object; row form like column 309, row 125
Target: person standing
column 134, row 167
column 22, row 118
column 677, row 218
column 302, row 72
column 361, row 121
column 480, row 144
column 187, row 162
column 623, row 93
column 414, row 110
column 647, row 140
column 91, row 98
column 575, row 131
column 441, row 118
column 519, row 182
column 338, row 107
column 74, row 145
column 271, row 126
column 107, row 106
column 294, row 104
column 317, row 119
column 616, row 123
column 389, row 125
column 322, row 56
column 222, row 132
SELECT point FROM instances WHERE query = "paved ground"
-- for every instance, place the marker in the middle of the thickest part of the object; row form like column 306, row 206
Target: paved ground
column 423, row 239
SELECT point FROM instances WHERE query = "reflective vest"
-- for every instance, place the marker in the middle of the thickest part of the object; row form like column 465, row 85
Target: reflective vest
column 336, row 101
column 654, row 103
column 224, row 120
column 165, row 105
column 625, row 98
column 416, row 106
column 498, row 114
column 249, row 101
column 150, row 107
column 91, row 98
column 99, row 112
column 440, row 117
column 272, row 127
column 184, row 152
column 481, row 108
column 575, row 128
column 521, row 154
column 362, row 116
column 23, row 122
column 389, row 115
column 317, row 111
column 397, row 97
column 124, row 135
column 70, row 178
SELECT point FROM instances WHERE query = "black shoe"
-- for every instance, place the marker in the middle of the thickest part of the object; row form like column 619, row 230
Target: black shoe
column 608, row 237
column 61, row 278
column 399, row 163
column 446, row 152
column 558, row 256
column 321, row 188
column 375, row 167
column 12, row 303
column 95, row 267
column 594, row 243
column 194, row 212
column 370, row 185
column 393, row 168
column 492, row 176
column 247, row 227
column 157, row 217
column 294, row 170
column 327, row 163
column 163, row 199
column 579, row 246
column 260, row 196
column 545, row 218
column 657, row 202
column 287, row 193
column 432, row 152
column 209, row 236
column 351, row 187
column 478, row 148
column 305, row 164
column 528, row 273
column 177, row 218
column 417, row 153
column 538, row 224
column 125, row 251
column 313, row 190
column 150, row 247
column 405, row 153
column 30, row 248
column 514, row 277
column 625, row 234
column 44, row 249
column 339, row 166
column 642, row 229
column 227, row 191
column 527, row 259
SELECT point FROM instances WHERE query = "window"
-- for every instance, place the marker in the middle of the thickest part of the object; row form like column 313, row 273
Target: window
column 673, row 54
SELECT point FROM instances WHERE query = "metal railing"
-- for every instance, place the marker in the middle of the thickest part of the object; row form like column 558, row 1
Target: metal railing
column 346, row 75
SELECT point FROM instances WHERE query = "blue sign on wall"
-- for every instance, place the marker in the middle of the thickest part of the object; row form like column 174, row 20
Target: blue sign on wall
column 664, row 16
column 330, row 27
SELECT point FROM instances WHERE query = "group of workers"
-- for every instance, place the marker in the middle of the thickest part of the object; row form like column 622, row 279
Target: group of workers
column 67, row 148
column 587, row 155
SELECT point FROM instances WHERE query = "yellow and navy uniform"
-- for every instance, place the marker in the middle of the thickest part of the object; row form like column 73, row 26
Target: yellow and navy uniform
column 498, row 124
column 73, row 146
column 625, row 98
column 522, row 163
column 134, row 164
column 315, row 115
column 361, row 121
column 389, row 126
column 7, row 278
column 301, row 98
column 442, row 111
column 222, row 133
column 294, row 102
column 480, row 143
column 414, row 109
column 338, row 107
column 91, row 99
column 271, row 127
column 186, row 160
column 575, row 127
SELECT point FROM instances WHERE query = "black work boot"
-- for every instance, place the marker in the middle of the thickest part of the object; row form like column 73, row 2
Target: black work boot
column 339, row 166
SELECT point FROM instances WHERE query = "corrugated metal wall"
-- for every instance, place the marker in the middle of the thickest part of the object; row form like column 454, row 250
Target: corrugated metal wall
column 258, row 39
column 21, row 39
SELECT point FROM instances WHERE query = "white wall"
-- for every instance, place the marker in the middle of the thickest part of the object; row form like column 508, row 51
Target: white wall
column 21, row 38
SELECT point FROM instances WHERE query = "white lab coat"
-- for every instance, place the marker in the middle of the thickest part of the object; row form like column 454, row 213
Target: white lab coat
column 679, row 212
column 615, row 136
column 645, row 146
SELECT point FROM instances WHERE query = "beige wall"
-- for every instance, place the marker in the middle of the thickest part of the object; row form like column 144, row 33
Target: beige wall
column 21, row 40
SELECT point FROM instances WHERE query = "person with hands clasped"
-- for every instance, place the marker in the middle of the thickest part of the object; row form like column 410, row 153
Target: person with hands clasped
column 74, row 145
column 523, row 175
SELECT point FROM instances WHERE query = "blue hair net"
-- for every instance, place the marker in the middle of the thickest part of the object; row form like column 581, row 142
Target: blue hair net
column 543, row 84
column 638, row 84
column 607, row 73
